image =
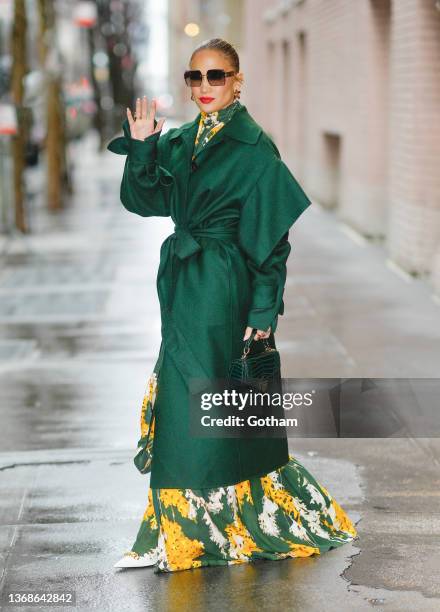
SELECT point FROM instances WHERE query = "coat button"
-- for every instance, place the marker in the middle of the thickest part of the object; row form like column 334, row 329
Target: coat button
column 194, row 166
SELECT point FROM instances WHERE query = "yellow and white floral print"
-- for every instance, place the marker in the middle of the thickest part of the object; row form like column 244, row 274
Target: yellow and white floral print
column 211, row 123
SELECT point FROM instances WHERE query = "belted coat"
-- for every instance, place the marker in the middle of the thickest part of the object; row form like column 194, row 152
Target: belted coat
column 222, row 269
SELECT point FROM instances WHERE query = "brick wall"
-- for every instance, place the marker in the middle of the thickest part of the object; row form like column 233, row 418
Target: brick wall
column 350, row 91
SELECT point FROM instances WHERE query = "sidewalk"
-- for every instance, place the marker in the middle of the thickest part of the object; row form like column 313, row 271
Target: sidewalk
column 79, row 335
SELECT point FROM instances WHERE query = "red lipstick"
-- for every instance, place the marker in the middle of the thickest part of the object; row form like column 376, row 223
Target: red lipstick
column 205, row 99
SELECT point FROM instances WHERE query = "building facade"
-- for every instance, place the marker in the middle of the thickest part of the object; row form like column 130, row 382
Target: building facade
column 350, row 92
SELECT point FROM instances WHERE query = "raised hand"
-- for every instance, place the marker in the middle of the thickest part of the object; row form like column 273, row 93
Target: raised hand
column 142, row 124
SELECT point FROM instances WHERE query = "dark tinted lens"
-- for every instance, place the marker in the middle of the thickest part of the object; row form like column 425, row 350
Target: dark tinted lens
column 193, row 78
column 216, row 77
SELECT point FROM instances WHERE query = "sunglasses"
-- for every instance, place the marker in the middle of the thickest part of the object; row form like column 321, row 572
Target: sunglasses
column 215, row 76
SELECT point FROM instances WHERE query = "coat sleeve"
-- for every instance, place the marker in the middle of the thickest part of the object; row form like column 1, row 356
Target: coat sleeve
column 274, row 204
column 146, row 186
column 268, row 282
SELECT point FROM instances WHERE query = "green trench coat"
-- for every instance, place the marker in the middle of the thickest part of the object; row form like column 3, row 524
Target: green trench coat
column 223, row 268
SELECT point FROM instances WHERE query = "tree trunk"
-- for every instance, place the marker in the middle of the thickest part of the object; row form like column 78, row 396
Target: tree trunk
column 57, row 168
column 18, row 142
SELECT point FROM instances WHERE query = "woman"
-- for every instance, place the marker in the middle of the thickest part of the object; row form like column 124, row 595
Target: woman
column 217, row 501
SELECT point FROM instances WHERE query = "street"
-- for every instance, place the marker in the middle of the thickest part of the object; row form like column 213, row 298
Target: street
column 79, row 335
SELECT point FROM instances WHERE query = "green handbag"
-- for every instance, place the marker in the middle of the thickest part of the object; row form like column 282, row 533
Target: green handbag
column 260, row 371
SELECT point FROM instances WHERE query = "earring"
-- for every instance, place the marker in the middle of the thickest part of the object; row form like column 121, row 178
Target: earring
column 237, row 94
column 192, row 97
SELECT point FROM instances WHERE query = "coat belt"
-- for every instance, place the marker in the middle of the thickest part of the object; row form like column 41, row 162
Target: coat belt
column 183, row 244
column 185, row 238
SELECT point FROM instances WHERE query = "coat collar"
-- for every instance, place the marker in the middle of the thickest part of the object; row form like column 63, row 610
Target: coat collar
column 240, row 127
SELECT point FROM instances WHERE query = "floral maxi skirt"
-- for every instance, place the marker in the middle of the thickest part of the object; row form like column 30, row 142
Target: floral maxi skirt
column 285, row 513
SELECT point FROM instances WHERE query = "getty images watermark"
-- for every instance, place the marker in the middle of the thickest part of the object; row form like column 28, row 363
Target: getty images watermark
column 316, row 407
column 245, row 401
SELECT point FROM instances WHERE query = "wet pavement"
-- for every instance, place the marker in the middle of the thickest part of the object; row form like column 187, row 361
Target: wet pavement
column 79, row 335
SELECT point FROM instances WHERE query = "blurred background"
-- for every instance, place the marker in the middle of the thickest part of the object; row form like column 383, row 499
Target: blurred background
column 348, row 90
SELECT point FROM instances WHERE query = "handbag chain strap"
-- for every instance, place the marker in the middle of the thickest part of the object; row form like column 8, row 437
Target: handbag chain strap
column 248, row 342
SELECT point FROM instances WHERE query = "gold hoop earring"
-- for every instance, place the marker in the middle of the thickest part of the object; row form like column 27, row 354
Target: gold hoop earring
column 237, row 94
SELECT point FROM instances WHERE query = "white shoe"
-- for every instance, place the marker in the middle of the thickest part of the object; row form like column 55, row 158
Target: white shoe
column 132, row 559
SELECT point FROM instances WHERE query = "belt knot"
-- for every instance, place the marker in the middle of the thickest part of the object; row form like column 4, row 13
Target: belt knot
column 186, row 244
